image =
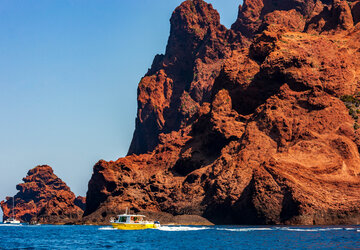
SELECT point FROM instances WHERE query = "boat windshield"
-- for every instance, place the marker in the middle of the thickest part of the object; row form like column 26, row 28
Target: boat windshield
column 122, row 219
column 130, row 219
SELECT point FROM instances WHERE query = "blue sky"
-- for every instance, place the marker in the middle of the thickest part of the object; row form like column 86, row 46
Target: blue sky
column 69, row 71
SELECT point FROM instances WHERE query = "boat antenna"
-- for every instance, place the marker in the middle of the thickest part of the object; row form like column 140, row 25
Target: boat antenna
column 126, row 210
column 13, row 207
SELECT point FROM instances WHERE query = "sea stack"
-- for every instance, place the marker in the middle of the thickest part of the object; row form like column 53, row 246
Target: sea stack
column 44, row 198
column 256, row 124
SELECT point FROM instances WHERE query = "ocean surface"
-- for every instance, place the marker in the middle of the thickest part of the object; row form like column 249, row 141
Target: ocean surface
column 179, row 237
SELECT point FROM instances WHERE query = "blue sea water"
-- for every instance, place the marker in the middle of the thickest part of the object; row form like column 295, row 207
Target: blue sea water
column 179, row 237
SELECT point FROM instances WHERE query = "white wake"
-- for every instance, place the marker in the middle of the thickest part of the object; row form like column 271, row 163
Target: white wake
column 245, row 229
column 107, row 228
column 312, row 229
column 11, row 225
column 181, row 228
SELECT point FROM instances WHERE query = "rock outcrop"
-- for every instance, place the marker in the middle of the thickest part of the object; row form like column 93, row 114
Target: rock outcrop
column 44, row 198
column 252, row 125
column 179, row 82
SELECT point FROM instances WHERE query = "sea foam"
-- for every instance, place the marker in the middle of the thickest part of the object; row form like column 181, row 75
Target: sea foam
column 107, row 228
column 181, row 228
column 244, row 229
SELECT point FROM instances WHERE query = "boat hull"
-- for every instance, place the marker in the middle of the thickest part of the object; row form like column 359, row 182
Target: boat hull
column 12, row 221
column 133, row 226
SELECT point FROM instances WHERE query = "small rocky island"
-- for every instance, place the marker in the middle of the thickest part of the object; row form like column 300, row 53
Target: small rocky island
column 44, row 198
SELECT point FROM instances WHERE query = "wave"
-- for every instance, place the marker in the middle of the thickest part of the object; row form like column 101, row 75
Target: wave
column 11, row 225
column 181, row 228
column 107, row 228
column 316, row 229
column 310, row 229
column 245, row 229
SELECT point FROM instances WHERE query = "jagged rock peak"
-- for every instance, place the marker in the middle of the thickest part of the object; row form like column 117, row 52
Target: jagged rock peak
column 45, row 174
column 197, row 11
column 182, row 78
column 40, row 168
column 192, row 20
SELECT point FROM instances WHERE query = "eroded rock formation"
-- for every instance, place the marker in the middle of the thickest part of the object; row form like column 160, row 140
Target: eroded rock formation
column 44, row 198
column 245, row 125
column 170, row 94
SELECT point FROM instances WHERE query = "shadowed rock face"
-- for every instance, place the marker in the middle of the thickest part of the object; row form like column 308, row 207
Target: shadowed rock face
column 44, row 198
column 254, row 13
column 248, row 125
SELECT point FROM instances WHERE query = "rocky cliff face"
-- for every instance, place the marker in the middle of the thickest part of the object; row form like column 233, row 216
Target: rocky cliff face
column 44, row 198
column 253, row 125
column 179, row 82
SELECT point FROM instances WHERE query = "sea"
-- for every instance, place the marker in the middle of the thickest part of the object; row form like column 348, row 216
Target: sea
column 179, row 237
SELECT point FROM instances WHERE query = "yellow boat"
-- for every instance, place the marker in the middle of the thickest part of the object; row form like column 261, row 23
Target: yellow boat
column 133, row 222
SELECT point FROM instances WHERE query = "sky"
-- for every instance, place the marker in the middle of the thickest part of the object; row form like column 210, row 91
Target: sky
column 69, row 71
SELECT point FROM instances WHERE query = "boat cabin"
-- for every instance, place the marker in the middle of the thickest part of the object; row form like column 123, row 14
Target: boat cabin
column 129, row 218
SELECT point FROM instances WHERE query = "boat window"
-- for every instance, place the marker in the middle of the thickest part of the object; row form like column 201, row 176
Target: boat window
column 122, row 219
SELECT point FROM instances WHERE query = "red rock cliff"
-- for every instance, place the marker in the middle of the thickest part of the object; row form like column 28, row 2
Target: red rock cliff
column 170, row 94
column 253, row 125
column 44, row 198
